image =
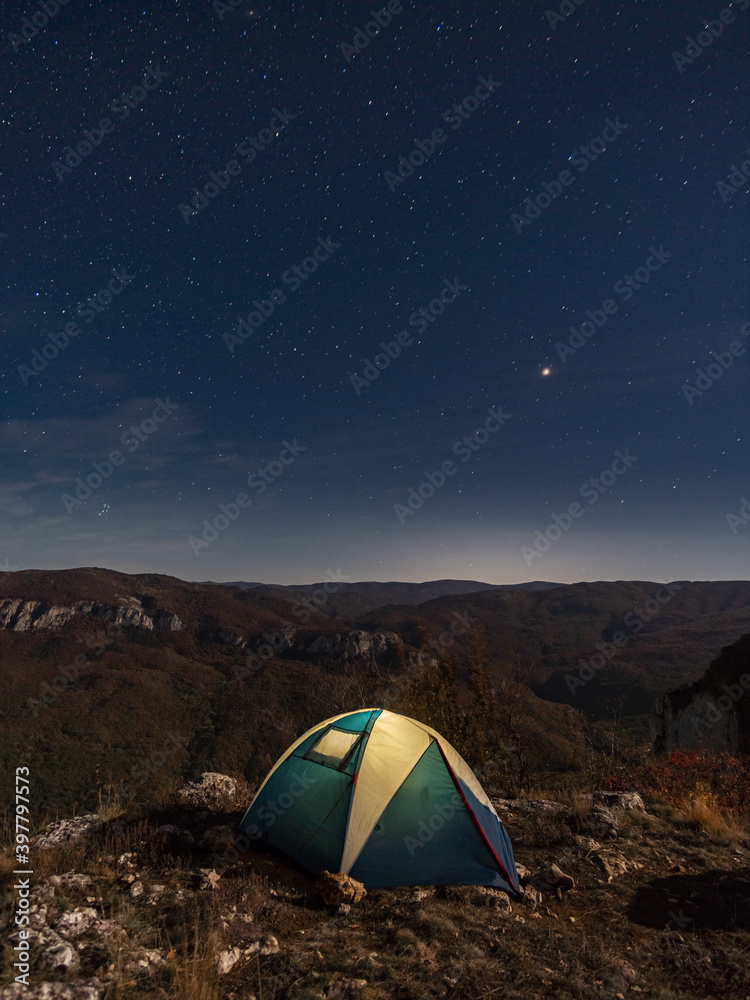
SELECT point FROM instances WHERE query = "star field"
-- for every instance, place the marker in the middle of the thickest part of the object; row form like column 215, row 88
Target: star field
column 328, row 241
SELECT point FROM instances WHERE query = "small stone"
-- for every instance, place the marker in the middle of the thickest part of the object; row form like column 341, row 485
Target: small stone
column 74, row 923
column 209, row 878
column 531, row 897
column 136, row 889
column 146, row 960
column 226, row 961
column 612, row 864
column 267, row 945
column 338, row 888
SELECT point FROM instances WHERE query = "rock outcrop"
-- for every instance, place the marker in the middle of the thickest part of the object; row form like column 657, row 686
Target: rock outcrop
column 357, row 645
column 712, row 714
column 214, row 793
column 31, row 616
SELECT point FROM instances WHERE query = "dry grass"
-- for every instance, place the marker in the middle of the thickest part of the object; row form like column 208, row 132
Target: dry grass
column 194, row 974
column 702, row 811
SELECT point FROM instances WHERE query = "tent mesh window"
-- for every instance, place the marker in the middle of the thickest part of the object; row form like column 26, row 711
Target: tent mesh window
column 335, row 748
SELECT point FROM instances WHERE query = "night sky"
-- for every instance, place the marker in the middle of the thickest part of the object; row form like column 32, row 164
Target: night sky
column 272, row 307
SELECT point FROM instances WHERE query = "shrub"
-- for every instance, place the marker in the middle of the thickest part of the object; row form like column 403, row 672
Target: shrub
column 719, row 780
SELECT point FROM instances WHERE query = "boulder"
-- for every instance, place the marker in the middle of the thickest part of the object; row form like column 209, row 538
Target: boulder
column 603, row 823
column 68, row 831
column 214, row 792
column 58, row 954
column 337, row 889
column 620, row 800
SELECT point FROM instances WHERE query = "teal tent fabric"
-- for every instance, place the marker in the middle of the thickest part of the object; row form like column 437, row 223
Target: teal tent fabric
column 435, row 827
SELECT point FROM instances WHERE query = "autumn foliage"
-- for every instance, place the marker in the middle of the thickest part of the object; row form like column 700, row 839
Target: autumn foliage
column 677, row 776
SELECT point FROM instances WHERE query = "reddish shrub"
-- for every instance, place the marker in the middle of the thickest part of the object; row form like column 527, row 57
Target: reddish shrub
column 675, row 777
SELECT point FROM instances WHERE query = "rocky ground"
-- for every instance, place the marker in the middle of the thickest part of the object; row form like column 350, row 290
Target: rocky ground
column 620, row 899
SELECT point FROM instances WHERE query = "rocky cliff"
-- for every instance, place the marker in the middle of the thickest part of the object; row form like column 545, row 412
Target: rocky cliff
column 355, row 645
column 29, row 616
column 712, row 714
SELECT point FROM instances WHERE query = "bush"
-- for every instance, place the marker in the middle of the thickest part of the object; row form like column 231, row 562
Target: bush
column 720, row 778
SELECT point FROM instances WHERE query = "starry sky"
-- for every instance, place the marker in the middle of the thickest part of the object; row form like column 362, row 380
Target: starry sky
column 400, row 293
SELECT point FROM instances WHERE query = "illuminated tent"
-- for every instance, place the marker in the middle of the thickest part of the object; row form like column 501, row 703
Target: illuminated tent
column 384, row 799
